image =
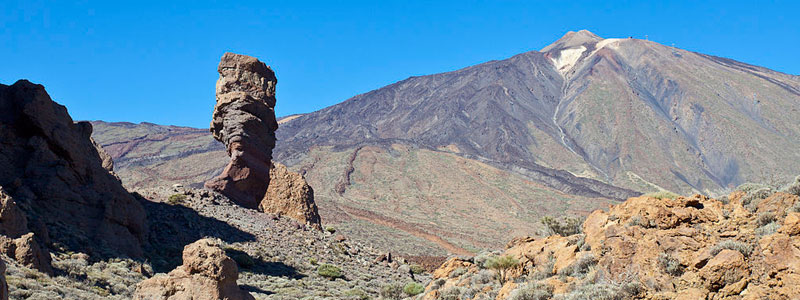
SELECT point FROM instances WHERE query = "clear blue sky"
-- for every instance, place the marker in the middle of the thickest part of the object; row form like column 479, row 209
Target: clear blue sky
column 156, row 61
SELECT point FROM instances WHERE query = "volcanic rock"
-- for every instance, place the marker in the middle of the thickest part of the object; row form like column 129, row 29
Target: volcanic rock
column 206, row 273
column 244, row 120
column 55, row 174
column 290, row 195
column 12, row 220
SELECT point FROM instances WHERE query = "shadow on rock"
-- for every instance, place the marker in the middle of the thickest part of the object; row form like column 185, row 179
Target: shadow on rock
column 171, row 227
column 260, row 266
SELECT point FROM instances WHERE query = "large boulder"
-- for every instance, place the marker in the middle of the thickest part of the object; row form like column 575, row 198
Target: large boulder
column 244, row 120
column 290, row 195
column 55, row 175
column 206, row 273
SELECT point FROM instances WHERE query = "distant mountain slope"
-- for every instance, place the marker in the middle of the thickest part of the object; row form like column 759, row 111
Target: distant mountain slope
column 463, row 160
column 147, row 154
column 626, row 112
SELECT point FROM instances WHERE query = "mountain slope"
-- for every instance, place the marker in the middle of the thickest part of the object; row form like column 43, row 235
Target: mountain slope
column 463, row 160
column 627, row 112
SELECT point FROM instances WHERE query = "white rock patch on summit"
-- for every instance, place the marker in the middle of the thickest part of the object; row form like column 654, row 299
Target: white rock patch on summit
column 567, row 58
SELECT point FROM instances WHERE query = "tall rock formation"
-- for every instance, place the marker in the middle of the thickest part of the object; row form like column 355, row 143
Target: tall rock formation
column 244, row 120
column 56, row 178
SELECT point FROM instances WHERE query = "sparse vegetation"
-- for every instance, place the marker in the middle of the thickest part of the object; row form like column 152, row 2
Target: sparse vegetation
column 580, row 267
column 501, row 264
column 566, row 227
column 413, row 289
column 670, row 264
column 417, row 269
column 330, row 229
column 357, row 294
column 176, row 199
column 743, row 248
column 329, row 271
column 662, row 195
column 532, row 291
column 451, row 293
column 392, row 291
column 793, row 187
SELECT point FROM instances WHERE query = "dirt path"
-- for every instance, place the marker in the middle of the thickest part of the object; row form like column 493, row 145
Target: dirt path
column 404, row 226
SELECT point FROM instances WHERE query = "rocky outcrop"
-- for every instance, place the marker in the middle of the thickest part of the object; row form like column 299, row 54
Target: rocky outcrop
column 743, row 247
column 289, row 194
column 27, row 252
column 244, row 120
column 206, row 273
column 56, row 177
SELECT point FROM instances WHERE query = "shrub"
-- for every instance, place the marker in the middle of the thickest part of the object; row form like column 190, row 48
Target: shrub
column 451, row 293
column 793, row 188
column 392, row 291
column 532, row 291
column 568, row 226
column 329, row 271
column 417, row 269
column 501, row 264
column 795, row 207
column 768, row 229
column 753, row 197
column 743, row 248
column 669, row 264
column 413, row 289
column 458, row 272
column 482, row 277
column 749, row 187
column 356, row 293
column 330, row 229
column 176, row 199
column 662, row 195
column 312, row 261
column 579, row 267
column 765, row 218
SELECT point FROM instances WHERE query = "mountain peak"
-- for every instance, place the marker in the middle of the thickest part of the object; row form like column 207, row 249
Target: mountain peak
column 572, row 39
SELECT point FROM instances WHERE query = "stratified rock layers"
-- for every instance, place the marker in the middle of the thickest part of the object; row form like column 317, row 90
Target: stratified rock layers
column 56, row 178
column 244, row 120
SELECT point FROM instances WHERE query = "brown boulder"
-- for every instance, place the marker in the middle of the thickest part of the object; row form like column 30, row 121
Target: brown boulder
column 727, row 267
column 12, row 220
column 290, row 195
column 244, row 120
column 53, row 171
column 28, row 253
column 206, row 274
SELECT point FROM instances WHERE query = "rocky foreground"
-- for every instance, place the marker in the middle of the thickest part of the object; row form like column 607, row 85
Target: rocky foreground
column 743, row 246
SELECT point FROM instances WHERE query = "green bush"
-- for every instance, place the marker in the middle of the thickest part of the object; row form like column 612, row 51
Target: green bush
column 357, row 294
column 329, row 271
column 793, row 188
column 662, row 195
column 176, row 199
column 413, row 289
column 743, row 248
column 568, row 226
column 501, row 264
column 312, row 261
column 417, row 269
column 330, row 229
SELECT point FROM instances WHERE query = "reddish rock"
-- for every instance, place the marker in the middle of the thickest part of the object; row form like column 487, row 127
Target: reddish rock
column 290, row 195
column 244, row 120
column 206, row 274
column 51, row 166
column 12, row 219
